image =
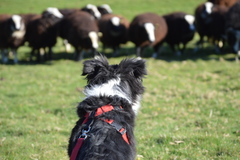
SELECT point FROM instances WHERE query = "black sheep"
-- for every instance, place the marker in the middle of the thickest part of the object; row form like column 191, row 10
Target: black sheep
column 147, row 29
column 42, row 32
column 114, row 29
column 81, row 32
column 91, row 9
column 210, row 23
column 11, row 36
column 233, row 28
column 180, row 30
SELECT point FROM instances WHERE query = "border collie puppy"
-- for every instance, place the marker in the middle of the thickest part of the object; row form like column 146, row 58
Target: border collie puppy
column 105, row 128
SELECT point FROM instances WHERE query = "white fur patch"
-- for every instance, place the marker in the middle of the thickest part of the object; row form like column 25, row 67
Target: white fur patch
column 208, row 6
column 115, row 21
column 107, row 7
column 97, row 14
column 94, row 38
column 136, row 105
column 17, row 21
column 190, row 19
column 55, row 12
column 149, row 27
column 107, row 89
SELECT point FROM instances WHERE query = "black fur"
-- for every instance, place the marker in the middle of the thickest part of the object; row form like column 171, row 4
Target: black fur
column 104, row 142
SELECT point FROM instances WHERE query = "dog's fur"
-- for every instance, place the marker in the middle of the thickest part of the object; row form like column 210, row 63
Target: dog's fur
column 117, row 85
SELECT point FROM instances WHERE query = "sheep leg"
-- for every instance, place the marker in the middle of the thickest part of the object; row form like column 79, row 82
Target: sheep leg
column 4, row 55
column 50, row 52
column 158, row 50
column 237, row 56
column 15, row 56
column 32, row 54
column 115, row 51
column 198, row 44
column 138, row 51
column 39, row 55
column 44, row 53
column 172, row 48
column 236, row 48
column 180, row 49
column 79, row 54
column 67, row 46
column 217, row 49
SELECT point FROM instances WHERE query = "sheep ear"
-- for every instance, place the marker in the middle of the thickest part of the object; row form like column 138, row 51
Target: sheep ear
column 91, row 67
column 135, row 67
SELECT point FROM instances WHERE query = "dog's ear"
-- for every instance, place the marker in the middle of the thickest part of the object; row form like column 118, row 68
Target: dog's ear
column 135, row 67
column 91, row 67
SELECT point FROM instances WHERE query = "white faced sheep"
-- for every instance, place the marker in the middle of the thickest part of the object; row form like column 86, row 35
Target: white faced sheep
column 210, row 24
column 12, row 32
column 181, row 30
column 114, row 29
column 81, row 32
column 233, row 28
column 227, row 3
column 147, row 29
column 90, row 8
column 42, row 32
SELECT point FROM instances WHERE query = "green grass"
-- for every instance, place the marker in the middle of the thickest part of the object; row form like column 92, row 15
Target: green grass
column 190, row 110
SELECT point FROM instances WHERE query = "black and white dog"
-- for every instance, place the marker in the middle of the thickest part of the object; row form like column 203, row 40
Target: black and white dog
column 105, row 128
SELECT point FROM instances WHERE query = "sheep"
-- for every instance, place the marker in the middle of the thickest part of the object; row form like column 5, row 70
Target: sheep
column 210, row 24
column 114, row 29
column 42, row 32
column 181, row 30
column 227, row 3
column 89, row 8
column 147, row 29
column 104, row 9
column 11, row 36
column 233, row 28
column 81, row 32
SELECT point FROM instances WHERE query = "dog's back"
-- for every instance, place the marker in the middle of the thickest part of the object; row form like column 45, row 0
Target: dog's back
column 107, row 116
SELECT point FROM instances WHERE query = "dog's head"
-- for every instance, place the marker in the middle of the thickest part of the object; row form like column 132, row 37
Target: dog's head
column 123, row 80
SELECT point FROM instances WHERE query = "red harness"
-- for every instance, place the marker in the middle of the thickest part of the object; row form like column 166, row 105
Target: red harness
column 83, row 136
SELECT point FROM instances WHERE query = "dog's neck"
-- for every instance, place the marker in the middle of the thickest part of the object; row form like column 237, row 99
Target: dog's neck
column 111, row 88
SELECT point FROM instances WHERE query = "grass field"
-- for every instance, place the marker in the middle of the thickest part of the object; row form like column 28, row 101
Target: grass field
column 190, row 110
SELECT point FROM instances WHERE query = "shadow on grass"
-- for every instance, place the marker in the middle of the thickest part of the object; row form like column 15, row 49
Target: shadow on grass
column 207, row 53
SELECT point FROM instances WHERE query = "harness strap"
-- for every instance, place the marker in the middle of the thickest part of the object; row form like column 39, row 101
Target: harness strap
column 79, row 141
column 88, row 121
column 103, row 109
column 76, row 148
column 116, row 125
